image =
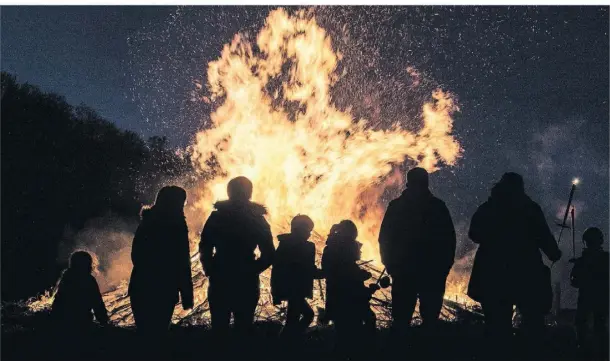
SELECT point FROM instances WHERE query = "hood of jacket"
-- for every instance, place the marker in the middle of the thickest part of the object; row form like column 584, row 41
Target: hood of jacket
column 252, row 208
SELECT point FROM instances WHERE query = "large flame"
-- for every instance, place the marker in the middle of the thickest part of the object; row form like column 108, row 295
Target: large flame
column 276, row 124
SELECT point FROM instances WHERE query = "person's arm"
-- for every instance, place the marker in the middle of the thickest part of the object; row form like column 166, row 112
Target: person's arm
column 575, row 274
column 316, row 272
column 478, row 231
column 99, row 308
column 207, row 244
column 184, row 259
column 385, row 236
column 265, row 246
column 136, row 252
column 447, row 236
column 544, row 237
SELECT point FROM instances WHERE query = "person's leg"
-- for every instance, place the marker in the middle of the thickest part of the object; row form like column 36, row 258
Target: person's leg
column 307, row 316
column 600, row 327
column 219, row 309
column 404, row 298
column 581, row 324
column 245, row 306
column 533, row 329
column 293, row 315
column 498, row 325
column 431, row 301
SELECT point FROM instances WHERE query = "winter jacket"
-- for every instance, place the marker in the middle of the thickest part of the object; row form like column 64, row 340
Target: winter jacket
column 511, row 230
column 590, row 276
column 76, row 297
column 345, row 289
column 161, row 258
column 229, row 238
column 417, row 236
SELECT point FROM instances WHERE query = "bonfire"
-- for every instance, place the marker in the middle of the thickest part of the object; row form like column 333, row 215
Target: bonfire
column 274, row 122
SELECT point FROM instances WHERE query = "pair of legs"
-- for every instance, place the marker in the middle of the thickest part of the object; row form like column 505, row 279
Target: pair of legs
column 231, row 298
column 599, row 314
column 355, row 329
column 407, row 290
column 499, row 325
column 299, row 316
column 153, row 314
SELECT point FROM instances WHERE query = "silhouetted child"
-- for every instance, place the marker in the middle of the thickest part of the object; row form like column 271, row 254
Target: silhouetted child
column 293, row 272
column 347, row 298
column 77, row 295
column 590, row 276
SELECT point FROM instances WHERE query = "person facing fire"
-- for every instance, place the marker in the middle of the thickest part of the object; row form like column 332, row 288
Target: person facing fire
column 161, row 263
column 292, row 275
column 347, row 298
column 511, row 230
column 590, row 276
column 417, row 245
column 230, row 236
column 78, row 296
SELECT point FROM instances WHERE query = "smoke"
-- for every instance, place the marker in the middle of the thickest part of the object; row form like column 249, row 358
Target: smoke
column 109, row 238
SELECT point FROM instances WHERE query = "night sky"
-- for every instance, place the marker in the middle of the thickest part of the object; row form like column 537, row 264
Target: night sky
column 532, row 84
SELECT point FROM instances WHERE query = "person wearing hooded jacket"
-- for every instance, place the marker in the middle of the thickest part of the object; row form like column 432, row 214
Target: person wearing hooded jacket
column 511, row 230
column 417, row 245
column 230, row 236
column 293, row 272
column 347, row 297
column 161, row 263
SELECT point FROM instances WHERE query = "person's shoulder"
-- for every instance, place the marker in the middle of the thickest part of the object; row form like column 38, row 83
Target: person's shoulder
column 90, row 279
column 437, row 202
column 310, row 246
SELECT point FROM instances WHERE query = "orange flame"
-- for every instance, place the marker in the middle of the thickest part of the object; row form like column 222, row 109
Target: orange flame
column 316, row 160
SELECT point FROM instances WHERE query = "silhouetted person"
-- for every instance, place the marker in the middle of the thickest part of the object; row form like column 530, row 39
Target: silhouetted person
column 292, row 274
column 511, row 230
column 417, row 243
column 161, row 263
column 347, row 298
column 590, row 276
column 229, row 239
column 78, row 296
column 77, row 299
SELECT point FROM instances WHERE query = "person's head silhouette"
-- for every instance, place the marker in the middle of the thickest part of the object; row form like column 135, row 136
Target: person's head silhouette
column 593, row 237
column 81, row 262
column 301, row 226
column 170, row 199
column 239, row 189
column 348, row 229
column 417, row 178
column 510, row 185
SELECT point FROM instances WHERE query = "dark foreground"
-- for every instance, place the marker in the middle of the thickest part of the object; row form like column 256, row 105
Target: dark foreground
column 31, row 340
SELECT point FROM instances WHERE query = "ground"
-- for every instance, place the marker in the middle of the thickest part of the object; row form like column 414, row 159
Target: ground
column 27, row 337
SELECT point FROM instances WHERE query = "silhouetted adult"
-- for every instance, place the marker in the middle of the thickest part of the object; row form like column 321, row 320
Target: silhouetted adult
column 510, row 229
column 161, row 263
column 229, row 239
column 417, row 244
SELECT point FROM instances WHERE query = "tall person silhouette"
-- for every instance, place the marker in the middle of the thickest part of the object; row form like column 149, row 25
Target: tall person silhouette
column 508, row 271
column 161, row 263
column 230, row 236
column 417, row 243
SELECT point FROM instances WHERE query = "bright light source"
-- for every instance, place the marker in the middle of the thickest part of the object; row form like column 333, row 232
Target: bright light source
column 575, row 181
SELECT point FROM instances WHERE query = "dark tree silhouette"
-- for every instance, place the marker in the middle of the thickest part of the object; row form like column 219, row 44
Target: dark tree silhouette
column 63, row 165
